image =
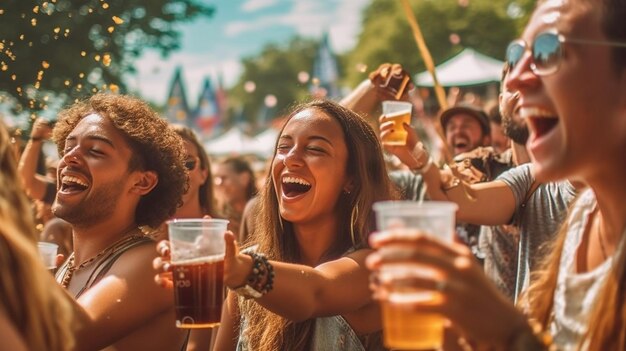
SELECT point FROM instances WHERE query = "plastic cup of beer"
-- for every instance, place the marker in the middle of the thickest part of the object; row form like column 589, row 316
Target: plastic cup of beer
column 197, row 259
column 404, row 328
column 399, row 112
column 48, row 253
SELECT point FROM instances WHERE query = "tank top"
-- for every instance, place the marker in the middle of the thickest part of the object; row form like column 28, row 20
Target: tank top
column 104, row 264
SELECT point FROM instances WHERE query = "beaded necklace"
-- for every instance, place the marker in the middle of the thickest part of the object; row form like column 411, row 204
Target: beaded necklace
column 71, row 268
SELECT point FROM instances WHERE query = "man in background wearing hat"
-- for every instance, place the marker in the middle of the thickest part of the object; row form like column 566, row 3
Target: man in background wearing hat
column 465, row 127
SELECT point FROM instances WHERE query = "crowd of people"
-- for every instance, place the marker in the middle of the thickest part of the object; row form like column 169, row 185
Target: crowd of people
column 538, row 263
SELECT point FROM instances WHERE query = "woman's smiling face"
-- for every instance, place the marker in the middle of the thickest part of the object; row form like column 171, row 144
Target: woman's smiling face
column 309, row 167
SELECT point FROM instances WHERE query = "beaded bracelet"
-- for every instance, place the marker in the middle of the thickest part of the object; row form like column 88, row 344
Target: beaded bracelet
column 261, row 278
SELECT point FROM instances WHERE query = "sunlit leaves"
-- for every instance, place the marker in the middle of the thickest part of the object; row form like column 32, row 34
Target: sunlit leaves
column 51, row 48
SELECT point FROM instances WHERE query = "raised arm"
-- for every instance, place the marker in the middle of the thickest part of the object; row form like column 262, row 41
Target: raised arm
column 363, row 99
column 387, row 82
column 34, row 184
column 489, row 203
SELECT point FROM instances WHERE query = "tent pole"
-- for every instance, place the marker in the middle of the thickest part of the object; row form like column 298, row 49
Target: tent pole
column 430, row 66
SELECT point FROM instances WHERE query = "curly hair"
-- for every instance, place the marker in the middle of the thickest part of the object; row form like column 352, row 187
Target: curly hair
column 276, row 237
column 155, row 148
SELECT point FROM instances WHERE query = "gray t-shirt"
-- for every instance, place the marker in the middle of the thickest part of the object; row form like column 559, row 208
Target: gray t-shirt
column 538, row 219
column 410, row 185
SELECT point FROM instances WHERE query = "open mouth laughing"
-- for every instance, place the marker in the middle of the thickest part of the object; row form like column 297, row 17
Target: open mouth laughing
column 541, row 122
column 72, row 184
column 294, row 186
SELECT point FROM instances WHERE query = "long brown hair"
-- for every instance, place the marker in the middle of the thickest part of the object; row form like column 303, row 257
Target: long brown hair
column 607, row 322
column 265, row 330
column 38, row 308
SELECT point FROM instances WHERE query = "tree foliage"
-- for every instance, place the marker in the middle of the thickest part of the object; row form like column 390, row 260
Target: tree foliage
column 484, row 25
column 68, row 49
column 274, row 72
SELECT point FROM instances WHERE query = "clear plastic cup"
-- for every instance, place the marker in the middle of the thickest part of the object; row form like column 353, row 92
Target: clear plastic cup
column 403, row 327
column 197, row 250
column 48, row 252
column 399, row 112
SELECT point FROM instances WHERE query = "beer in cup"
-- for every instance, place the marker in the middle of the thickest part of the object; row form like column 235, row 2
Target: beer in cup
column 403, row 327
column 197, row 250
column 399, row 112
column 48, row 253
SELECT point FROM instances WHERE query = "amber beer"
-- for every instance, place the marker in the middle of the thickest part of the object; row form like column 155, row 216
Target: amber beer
column 199, row 292
column 398, row 136
column 406, row 329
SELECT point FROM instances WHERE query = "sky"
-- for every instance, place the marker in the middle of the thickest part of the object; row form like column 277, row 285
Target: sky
column 238, row 29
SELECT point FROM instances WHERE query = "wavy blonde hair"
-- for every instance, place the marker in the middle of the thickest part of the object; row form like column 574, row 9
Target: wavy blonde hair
column 265, row 330
column 41, row 314
column 607, row 322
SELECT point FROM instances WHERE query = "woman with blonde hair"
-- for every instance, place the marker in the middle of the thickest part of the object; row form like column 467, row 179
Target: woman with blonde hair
column 569, row 68
column 35, row 314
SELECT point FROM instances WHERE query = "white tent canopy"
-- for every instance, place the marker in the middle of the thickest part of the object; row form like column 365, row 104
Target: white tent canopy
column 469, row 67
column 264, row 142
column 236, row 142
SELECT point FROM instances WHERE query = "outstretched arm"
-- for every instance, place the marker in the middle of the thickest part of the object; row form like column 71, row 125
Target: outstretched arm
column 301, row 292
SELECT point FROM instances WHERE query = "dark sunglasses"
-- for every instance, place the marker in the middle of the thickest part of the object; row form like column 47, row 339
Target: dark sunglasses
column 191, row 164
column 547, row 51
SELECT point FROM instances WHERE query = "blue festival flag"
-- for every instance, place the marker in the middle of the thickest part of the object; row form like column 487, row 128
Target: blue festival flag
column 207, row 116
column 177, row 109
column 325, row 71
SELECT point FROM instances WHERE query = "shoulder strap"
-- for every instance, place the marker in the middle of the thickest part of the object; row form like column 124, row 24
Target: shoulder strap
column 104, row 265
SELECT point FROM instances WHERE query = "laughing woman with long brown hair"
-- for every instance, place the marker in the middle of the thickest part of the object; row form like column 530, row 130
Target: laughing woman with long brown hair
column 309, row 291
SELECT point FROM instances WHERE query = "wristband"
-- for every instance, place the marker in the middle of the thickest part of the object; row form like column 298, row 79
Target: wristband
column 36, row 138
column 423, row 168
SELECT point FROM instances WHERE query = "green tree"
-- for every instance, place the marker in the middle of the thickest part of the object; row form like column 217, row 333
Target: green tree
column 485, row 25
column 67, row 49
column 274, row 72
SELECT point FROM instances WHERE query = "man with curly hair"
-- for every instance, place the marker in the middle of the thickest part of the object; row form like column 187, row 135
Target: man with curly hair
column 121, row 170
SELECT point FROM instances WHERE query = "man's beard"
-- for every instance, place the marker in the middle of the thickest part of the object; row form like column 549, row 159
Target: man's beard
column 516, row 130
column 98, row 205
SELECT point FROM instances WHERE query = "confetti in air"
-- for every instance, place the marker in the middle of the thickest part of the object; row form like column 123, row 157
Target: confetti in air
column 106, row 60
